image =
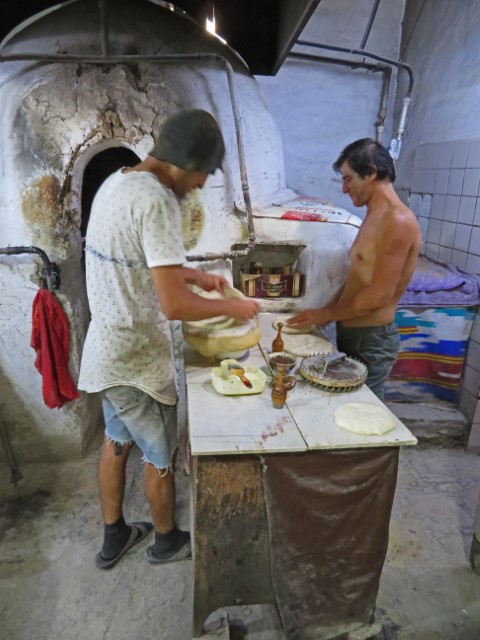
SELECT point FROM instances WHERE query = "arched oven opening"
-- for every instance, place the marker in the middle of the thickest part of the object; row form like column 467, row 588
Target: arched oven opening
column 102, row 165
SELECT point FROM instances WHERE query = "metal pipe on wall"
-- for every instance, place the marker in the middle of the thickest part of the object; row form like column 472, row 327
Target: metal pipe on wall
column 395, row 143
column 360, row 52
column 352, row 64
column 382, row 114
column 170, row 59
column 370, row 23
column 50, row 271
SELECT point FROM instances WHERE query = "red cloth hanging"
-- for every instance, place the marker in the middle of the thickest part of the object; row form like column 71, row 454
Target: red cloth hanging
column 50, row 334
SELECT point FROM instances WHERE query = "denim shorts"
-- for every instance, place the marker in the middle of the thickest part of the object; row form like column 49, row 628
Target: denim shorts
column 131, row 415
column 377, row 347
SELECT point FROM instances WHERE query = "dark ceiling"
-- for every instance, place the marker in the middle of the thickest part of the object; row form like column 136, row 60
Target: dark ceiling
column 261, row 31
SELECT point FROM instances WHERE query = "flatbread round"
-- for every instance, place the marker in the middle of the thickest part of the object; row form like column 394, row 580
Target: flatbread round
column 304, row 345
column 291, row 330
column 364, row 418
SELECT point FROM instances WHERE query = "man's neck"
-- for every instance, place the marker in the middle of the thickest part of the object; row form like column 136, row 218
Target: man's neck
column 383, row 199
column 159, row 169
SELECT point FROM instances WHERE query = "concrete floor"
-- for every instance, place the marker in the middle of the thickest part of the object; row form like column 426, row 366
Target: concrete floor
column 50, row 530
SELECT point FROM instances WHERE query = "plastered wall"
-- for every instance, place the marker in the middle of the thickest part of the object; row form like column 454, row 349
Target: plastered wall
column 320, row 108
column 55, row 118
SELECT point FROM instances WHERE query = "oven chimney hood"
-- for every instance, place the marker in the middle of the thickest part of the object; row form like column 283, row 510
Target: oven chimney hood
column 261, row 31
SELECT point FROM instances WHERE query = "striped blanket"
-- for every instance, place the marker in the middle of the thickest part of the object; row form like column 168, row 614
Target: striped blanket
column 430, row 361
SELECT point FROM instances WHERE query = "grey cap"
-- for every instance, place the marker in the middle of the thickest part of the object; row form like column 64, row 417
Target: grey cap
column 190, row 140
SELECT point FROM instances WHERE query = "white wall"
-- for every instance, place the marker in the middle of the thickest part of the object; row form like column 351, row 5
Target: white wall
column 320, row 108
column 440, row 42
column 439, row 167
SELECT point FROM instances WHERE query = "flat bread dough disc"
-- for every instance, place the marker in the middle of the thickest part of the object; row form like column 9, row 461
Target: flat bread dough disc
column 304, row 345
column 364, row 418
column 290, row 330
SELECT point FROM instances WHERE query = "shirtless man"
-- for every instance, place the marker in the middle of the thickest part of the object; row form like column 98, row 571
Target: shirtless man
column 382, row 261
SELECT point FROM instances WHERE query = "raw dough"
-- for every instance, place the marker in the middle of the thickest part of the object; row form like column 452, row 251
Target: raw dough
column 223, row 335
column 306, row 345
column 218, row 322
column 213, row 324
column 291, row 330
column 364, row 418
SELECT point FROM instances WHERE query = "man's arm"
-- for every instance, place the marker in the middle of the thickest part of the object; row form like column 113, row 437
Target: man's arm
column 179, row 303
column 204, row 280
column 389, row 264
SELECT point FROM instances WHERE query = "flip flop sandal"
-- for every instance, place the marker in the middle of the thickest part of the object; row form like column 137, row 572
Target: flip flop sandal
column 140, row 530
column 184, row 553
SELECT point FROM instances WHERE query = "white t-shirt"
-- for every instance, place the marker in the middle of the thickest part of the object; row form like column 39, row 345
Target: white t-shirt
column 135, row 224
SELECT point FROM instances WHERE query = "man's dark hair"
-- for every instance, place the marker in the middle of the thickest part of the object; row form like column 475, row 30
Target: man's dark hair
column 366, row 156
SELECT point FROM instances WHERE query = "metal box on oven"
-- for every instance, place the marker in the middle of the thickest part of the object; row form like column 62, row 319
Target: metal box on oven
column 272, row 285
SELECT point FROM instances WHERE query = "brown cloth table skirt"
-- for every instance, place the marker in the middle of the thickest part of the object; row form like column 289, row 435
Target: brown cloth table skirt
column 306, row 531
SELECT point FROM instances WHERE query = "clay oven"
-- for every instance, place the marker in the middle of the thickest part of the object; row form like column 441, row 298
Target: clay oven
column 87, row 102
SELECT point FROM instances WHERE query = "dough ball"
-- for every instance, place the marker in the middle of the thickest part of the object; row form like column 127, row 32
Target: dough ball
column 210, row 324
column 364, row 418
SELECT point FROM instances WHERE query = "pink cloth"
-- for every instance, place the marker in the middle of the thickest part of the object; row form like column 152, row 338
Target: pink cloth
column 50, row 335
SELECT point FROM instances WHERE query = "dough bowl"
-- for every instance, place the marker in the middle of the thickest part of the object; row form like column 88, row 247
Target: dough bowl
column 221, row 336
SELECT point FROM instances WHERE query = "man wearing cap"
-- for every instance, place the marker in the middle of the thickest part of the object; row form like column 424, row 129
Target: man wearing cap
column 136, row 283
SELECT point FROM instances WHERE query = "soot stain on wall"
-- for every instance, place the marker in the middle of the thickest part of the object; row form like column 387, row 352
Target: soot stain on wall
column 43, row 213
column 193, row 221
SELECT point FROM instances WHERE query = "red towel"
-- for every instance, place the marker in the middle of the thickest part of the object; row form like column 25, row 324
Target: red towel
column 50, row 341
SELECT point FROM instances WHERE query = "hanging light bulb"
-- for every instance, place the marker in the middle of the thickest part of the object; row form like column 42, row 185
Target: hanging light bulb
column 210, row 25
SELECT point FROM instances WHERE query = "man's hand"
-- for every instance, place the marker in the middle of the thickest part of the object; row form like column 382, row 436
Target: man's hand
column 242, row 309
column 308, row 317
column 204, row 280
column 178, row 302
column 212, row 282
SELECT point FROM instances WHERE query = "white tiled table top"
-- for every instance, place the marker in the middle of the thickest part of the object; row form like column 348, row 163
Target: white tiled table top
column 314, row 413
column 249, row 424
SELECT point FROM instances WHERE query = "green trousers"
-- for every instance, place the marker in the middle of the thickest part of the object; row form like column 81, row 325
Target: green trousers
column 377, row 347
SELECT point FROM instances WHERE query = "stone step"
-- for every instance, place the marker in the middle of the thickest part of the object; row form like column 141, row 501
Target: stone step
column 432, row 425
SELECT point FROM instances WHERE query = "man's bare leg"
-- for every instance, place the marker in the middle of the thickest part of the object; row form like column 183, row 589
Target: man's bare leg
column 118, row 536
column 170, row 542
column 111, row 479
column 159, row 487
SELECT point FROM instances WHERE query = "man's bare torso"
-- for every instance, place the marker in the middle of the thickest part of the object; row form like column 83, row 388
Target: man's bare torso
column 377, row 227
